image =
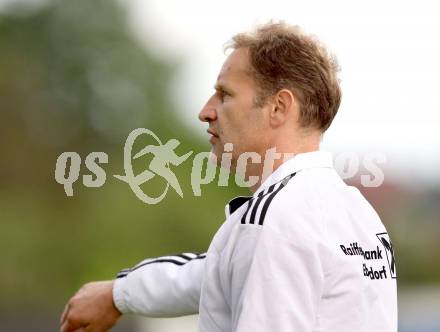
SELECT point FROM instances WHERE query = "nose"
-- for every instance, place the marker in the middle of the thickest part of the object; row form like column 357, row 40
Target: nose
column 208, row 112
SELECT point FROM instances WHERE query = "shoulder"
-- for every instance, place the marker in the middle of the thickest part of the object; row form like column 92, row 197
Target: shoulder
column 300, row 207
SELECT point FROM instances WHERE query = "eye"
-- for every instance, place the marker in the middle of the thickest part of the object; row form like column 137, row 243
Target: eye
column 222, row 94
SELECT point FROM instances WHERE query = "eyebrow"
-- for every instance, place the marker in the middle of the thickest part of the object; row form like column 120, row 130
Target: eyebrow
column 221, row 87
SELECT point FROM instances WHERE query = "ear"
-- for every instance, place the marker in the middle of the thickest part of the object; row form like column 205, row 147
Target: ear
column 283, row 108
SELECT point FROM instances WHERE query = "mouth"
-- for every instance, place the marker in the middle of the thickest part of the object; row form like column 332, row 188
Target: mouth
column 213, row 137
column 211, row 132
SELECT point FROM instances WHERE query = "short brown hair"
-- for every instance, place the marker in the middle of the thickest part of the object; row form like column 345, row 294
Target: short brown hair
column 282, row 56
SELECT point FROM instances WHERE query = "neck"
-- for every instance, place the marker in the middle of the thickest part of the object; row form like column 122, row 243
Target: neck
column 274, row 157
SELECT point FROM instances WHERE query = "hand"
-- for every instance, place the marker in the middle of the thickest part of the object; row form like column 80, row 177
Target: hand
column 91, row 309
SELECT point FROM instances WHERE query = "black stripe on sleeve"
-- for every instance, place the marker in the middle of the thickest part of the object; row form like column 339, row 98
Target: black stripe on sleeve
column 169, row 259
column 271, row 197
column 186, row 256
column 243, row 218
column 257, row 204
column 176, row 262
column 122, row 273
column 251, row 203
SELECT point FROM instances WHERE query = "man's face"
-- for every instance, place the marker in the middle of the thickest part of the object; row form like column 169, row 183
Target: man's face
column 231, row 113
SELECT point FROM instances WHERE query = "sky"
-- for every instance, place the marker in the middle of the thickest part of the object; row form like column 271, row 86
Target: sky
column 388, row 53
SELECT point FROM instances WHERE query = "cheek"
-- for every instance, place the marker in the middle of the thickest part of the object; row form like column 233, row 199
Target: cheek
column 238, row 123
column 234, row 117
column 226, row 121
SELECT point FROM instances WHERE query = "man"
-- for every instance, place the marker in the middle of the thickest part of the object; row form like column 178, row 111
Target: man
column 305, row 252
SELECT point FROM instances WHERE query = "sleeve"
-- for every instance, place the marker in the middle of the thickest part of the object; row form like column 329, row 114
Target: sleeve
column 282, row 285
column 162, row 287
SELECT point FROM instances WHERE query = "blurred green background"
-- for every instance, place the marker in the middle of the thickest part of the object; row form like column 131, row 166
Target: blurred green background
column 72, row 78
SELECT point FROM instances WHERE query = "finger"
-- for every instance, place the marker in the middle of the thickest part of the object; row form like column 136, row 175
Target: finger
column 64, row 314
column 66, row 328
column 92, row 328
column 70, row 326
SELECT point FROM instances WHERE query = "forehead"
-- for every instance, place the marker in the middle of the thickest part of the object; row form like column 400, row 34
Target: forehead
column 236, row 68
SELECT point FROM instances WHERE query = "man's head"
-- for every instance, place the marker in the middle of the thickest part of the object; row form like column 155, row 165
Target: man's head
column 278, row 88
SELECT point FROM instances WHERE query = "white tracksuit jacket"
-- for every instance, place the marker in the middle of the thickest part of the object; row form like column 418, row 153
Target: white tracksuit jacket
column 305, row 253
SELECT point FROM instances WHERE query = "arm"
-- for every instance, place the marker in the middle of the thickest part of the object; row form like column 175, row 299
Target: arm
column 162, row 287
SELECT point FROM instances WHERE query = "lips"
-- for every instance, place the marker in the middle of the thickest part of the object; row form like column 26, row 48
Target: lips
column 211, row 132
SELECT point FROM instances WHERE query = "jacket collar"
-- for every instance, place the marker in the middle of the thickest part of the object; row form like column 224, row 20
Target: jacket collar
column 299, row 162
